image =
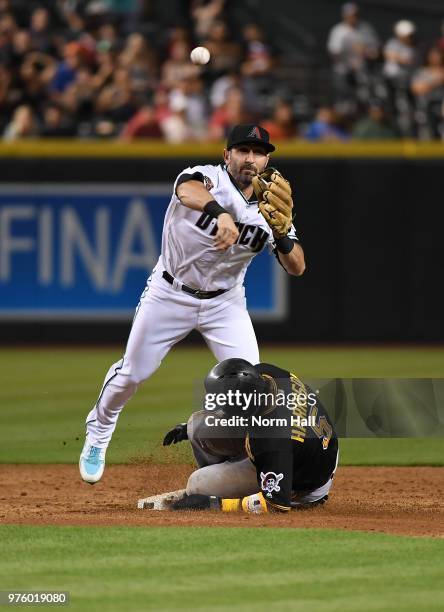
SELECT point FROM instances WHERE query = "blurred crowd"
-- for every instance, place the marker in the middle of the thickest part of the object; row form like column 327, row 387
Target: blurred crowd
column 399, row 83
column 101, row 69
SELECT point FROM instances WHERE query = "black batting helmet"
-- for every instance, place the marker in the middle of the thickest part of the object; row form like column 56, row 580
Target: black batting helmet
column 236, row 375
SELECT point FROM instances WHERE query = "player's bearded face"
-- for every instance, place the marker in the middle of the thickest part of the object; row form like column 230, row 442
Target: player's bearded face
column 244, row 162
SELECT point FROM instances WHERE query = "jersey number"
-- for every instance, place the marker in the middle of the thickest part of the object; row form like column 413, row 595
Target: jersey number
column 322, row 427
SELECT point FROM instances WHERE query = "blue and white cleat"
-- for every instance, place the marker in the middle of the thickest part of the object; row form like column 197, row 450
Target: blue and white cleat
column 92, row 463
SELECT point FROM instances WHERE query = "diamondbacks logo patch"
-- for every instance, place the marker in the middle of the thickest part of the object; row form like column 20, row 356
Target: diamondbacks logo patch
column 270, row 482
column 208, row 183
column 254, row 133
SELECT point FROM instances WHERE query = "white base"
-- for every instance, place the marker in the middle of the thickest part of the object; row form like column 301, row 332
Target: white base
column 161, row 501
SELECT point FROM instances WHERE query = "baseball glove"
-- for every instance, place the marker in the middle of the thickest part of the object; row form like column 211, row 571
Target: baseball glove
column 175, row 435
column 274, row 200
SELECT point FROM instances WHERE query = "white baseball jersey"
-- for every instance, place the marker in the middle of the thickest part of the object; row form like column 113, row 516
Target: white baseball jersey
column 188, row 251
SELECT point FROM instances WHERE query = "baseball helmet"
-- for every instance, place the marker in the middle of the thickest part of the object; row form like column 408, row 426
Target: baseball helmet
column 236, row 375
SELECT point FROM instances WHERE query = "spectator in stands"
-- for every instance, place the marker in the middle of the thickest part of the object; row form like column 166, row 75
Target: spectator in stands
column 72, row 16
column 221, row 86
column 428, row 89
column 143, row 124
column 106, row 63
column 376, row 125
column 108, row 34
column 204, row 14
column 21, row 46
column 40, row 31
column 88, row 49
column 36, row 73
column 161, row 103
column 259, row 60
column 115, row 103
column 175, row 127
column 22, row 125
column 430, row 78
column 56, row 123
column 65, row 72
column 79, row 97
column 326, row 126
column 400, row 54
column 353, row 45
column 8, row 28
column 400, row 60
column 225, row 53
column 179, row 66
column 138, row 58
column 5, row 6
column 282, row 125
column 177, row 35
column 192, row 91
column 231, row 113
column 257, row 70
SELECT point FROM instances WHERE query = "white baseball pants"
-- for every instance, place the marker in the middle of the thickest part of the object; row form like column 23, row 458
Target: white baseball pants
column 164, row 316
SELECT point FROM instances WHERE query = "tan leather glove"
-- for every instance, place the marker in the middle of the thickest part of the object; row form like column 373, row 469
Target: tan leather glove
column 274, row 200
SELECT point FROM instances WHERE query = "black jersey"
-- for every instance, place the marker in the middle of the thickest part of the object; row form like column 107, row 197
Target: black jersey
column 299, row 455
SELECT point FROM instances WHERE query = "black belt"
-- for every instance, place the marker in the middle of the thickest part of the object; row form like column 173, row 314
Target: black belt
column 197, row 293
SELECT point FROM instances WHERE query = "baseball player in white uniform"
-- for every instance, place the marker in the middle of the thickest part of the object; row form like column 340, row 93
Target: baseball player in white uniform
column 212, row 230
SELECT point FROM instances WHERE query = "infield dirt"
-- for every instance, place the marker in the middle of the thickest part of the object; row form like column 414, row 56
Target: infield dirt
column 397, row 500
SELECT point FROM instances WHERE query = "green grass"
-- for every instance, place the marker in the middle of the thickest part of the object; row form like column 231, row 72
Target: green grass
column 45, row 395
column 169, row 568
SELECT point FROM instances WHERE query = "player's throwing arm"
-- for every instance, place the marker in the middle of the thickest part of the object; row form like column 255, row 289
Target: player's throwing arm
column 194, row 195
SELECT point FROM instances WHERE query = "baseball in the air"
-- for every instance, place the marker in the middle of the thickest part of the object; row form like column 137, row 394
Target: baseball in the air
column 200, row 55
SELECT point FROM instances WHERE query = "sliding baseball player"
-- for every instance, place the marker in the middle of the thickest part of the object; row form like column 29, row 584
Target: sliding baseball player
column 272, row 448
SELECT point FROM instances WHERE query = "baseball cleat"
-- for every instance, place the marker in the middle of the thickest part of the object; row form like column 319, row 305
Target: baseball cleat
column 92, row 463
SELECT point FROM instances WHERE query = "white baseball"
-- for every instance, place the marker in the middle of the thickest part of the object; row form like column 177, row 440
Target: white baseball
column 200, row 55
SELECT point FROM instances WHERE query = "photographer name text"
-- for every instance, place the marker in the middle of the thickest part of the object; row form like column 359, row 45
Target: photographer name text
column 259, row 421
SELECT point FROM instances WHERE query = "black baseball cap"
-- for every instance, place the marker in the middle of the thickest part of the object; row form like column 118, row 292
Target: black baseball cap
column 250, row 134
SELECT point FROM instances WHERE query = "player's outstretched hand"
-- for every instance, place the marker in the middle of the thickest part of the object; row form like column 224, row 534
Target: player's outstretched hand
column 227, row 232
column 175, row 435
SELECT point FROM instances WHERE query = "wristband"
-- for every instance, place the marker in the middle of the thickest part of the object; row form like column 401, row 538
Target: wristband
column 230, row 505
column 214, row 209
column 284, row 245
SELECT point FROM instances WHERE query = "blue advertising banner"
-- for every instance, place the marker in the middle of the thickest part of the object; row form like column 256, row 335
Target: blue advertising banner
column 85, row 252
